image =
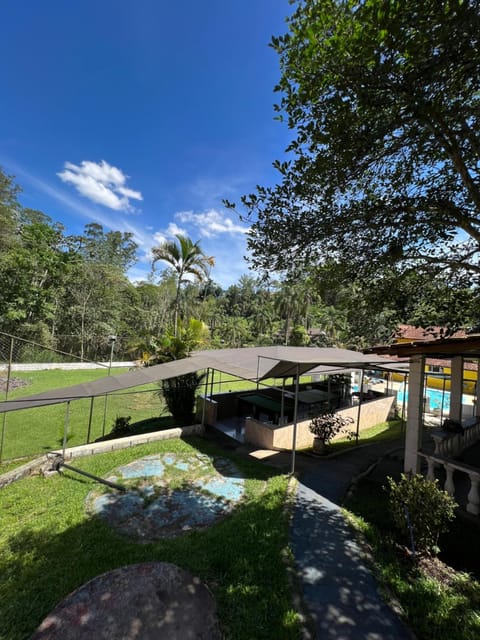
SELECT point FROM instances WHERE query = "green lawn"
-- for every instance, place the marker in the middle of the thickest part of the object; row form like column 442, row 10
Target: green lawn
column 35, row 431
column 392, row 430
column 49, row 546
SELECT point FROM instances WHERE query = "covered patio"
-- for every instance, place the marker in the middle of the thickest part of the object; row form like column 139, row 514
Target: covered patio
column 442, row 458
column 257, row 365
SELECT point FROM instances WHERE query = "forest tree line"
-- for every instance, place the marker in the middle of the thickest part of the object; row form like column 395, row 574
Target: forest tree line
column 71, row 292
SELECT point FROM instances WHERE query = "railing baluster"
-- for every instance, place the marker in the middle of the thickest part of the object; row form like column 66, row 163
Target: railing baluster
column 473, row 504
column 431, row 469
column 449, row 483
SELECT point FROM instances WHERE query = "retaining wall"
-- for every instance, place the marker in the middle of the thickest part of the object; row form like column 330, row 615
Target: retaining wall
column 33, row 467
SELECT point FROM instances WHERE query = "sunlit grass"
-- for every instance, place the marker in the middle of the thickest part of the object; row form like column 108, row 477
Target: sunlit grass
column 384, row 431
column 49, row 546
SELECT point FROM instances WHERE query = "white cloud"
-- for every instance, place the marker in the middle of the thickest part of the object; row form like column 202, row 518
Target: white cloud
column 173, row 230
column 211, row 223
column 100, row 182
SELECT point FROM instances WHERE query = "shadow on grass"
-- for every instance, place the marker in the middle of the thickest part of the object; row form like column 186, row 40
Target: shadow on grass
column 148, row 425
column 240, row 559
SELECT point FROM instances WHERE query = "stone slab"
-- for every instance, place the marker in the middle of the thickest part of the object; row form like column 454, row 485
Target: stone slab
column 148, row 601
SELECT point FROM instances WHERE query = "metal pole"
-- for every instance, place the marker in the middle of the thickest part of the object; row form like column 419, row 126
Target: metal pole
column 282, row 402
column 90, row 419
column 65, row 431
column 211, row 383
column 204, row 408
column 360, row 398
column 112, row 345
column 295, row 412
column 404, row 422
column 443, row 400
column 7, row 388
column 114, row 485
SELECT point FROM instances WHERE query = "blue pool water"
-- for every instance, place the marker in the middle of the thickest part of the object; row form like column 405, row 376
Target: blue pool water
column 434, row 396
column 435, row 399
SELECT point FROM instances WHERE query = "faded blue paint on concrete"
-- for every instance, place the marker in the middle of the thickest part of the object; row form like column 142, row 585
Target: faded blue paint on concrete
column 182, row 466
column 149, row 511
column 226, row 488
column 142, row 469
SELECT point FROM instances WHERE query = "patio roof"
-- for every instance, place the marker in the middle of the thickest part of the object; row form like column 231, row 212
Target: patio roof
column 447, row 348
column 258, row 363
column 255, row 363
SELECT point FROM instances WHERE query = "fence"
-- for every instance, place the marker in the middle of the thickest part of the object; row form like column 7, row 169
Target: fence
column 27, row 368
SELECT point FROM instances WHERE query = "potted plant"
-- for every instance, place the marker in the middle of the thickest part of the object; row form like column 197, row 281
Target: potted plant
column 325, row 427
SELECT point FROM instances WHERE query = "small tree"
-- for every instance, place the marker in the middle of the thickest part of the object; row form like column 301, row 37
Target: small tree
column 420, row 509
column 179, row 392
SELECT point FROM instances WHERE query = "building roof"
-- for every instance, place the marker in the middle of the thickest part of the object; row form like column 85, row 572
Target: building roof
column 410, row 333
column 468, row 347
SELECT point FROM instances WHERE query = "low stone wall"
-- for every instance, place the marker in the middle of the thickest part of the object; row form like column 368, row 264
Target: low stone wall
column 268, row 436
column 34, row 466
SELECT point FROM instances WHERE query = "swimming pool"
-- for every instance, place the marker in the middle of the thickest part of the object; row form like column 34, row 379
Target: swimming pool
column 435, row 399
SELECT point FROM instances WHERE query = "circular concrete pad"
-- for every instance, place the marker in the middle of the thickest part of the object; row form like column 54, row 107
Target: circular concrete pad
column 149, row 601
column 168, row 495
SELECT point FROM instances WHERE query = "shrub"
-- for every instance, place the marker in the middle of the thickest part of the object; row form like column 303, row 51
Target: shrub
column 422, row 505
column 121, row 426
column 328, row 425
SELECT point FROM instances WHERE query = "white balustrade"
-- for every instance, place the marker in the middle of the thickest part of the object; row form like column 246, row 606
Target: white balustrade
column 450, row 466
column 449, row 445
column 473, row 505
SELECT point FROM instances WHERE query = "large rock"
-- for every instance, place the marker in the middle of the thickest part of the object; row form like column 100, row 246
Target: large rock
column 150, row 601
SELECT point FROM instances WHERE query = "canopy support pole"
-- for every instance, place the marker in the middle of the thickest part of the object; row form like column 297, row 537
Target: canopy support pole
column 7, row 388
column 360, row 398
column 90, row 419
column 65, row 430
column 204, row 408
column 295, row 415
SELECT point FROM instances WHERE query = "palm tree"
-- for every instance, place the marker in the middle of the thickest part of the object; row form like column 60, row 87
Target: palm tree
column 187, row 259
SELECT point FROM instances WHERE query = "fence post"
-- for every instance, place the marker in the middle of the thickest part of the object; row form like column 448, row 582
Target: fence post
column 7, row 388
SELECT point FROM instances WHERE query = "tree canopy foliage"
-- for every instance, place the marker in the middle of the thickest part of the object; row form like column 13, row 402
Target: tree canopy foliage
column 382, row 97
column 187, row 259
column 72, row 292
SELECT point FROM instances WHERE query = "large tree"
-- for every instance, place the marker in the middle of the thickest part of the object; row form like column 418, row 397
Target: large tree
column 382, row 97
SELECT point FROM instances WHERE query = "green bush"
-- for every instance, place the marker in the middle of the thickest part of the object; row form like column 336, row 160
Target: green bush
column 422, row 505
column 121, row 426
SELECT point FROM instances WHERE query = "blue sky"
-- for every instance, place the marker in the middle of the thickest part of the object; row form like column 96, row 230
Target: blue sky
column 142, row 115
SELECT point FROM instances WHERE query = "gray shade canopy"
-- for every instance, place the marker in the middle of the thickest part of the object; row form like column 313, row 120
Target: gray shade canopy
column 254, row 363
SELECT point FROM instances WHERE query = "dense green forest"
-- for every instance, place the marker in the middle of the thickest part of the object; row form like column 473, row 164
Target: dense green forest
column 71, row 293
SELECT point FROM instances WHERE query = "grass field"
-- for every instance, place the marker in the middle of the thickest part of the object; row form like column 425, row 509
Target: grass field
column 35, row 431
column 49, row 546
column 392, row 430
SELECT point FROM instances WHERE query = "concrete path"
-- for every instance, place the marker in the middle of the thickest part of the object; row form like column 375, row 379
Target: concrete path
column 338, row 589
column 339, row 592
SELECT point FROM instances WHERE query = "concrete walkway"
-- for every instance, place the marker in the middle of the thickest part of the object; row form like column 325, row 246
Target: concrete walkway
column 339, row 592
